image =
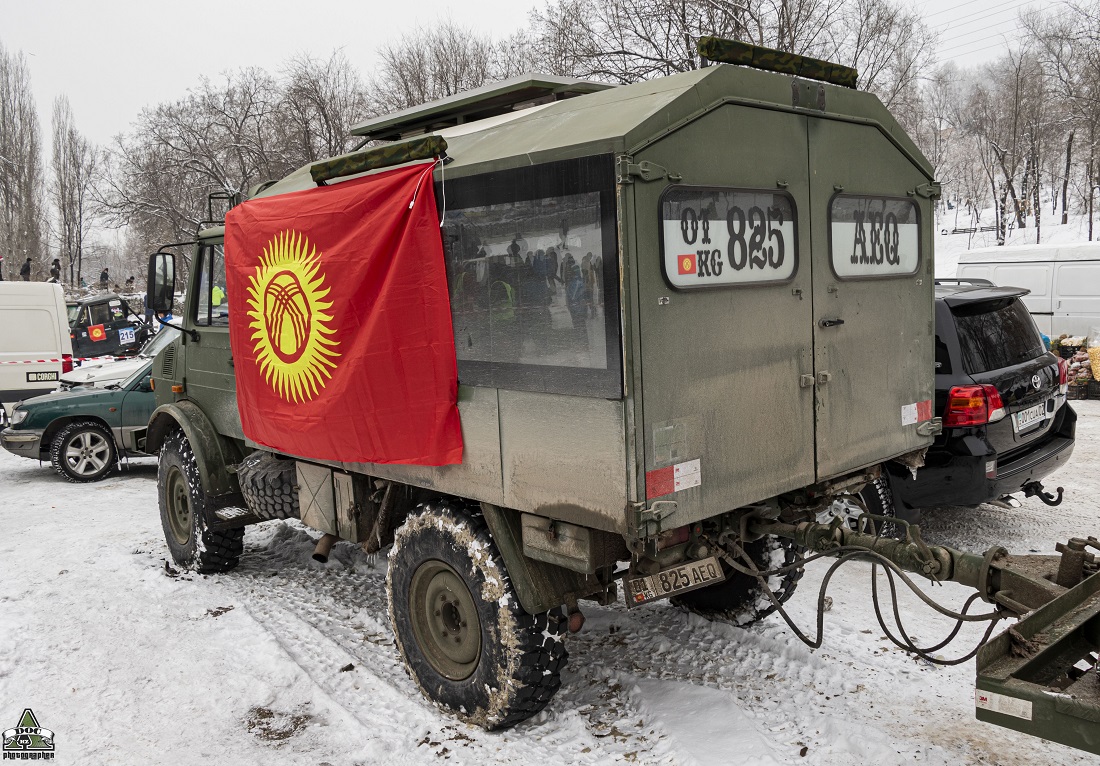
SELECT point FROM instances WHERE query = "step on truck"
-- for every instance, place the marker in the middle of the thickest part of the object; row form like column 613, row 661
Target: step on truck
column 556, row 341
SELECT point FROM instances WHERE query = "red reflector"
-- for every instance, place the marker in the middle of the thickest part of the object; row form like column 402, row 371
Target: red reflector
column 973, row 406
column 66, row 363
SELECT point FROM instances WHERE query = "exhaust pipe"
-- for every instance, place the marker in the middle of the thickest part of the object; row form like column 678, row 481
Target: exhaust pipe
column 324, row 545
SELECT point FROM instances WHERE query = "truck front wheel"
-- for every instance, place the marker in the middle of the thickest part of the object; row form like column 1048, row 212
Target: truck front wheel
column 740, row 599
column 183, row 505
column 467, row 642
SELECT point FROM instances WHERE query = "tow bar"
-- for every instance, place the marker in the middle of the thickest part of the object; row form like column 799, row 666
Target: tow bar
column 1035, row 489
column 1042, row 675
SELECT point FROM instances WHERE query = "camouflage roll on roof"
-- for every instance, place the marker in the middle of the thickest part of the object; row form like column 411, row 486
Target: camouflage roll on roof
column 758, row 57
column 422, row 148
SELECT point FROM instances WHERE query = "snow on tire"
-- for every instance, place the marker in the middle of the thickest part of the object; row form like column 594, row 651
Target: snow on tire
column 83, row 451
column 268, row 485
column 183, row 508
column 740, row 599
column 466, row 641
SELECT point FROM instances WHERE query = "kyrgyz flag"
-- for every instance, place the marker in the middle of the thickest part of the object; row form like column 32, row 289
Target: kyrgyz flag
column 341, row 322
column 96, row 332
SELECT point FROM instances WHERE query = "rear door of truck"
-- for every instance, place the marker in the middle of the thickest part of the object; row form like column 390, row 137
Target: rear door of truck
column 873, row 296
column 724, row 286
column 768, row 360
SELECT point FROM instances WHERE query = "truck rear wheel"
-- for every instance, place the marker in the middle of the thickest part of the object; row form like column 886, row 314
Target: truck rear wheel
column 183, row 507
column 467, row 642
column 740, row 599
column 879, row 501
column 268, row 485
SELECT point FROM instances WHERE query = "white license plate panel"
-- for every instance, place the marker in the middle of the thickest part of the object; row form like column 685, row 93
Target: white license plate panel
column 673, row 581
column 126, row 335
column 1025, row 419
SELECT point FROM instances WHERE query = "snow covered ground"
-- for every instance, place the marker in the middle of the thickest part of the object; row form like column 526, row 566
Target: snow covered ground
column 130, row 665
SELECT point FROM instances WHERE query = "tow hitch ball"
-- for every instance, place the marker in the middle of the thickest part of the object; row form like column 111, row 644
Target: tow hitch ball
column 1035, row 489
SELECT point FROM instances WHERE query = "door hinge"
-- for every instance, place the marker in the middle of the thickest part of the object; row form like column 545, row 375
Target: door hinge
column 928, row 191
column 806, row 381
column 648, row 520
column 933, row 427
column 626, row 171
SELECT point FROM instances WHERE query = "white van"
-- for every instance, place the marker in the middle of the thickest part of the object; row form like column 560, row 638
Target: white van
column 1064, row 281
column 35, row 347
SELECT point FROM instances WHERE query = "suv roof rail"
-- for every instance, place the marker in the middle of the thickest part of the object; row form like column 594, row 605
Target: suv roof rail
column 970, row 281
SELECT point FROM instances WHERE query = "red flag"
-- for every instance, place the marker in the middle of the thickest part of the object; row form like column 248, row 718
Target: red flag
column 686, row 263
column 341, row 322
column 96, row 332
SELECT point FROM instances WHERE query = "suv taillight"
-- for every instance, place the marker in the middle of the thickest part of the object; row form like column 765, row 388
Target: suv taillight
column 1063, row 376
column 973, row 406
column 66, row 363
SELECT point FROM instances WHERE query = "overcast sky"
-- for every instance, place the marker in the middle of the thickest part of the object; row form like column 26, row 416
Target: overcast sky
column 112, row 57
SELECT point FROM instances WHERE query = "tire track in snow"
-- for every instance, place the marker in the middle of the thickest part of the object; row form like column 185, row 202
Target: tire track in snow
column 324, row 617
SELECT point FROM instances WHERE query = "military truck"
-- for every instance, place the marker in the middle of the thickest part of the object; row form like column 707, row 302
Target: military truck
column 686, row 313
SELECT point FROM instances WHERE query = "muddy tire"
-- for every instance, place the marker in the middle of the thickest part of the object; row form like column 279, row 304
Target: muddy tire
column 740, row 599
column 83, row 451
column 183, row 508
column 467, row 642
column 268, row 484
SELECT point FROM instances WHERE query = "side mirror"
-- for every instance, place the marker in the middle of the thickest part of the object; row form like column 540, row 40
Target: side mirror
column 161, row 287
column 146, row 385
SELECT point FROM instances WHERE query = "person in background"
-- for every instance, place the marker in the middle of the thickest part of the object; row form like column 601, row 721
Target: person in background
column 1, row 268
column 104, row 278
column 25, row 271
column 55, row 271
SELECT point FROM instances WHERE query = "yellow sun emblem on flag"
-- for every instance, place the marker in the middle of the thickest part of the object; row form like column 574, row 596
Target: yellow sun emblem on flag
column 289, row 318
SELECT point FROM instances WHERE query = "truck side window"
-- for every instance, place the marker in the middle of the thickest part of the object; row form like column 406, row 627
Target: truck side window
column 212, row 307
column 873, row 237
column 719, row 237
column 533, row 276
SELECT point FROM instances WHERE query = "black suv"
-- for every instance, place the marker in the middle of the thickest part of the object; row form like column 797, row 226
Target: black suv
column 1002, row 397
column 103, row 325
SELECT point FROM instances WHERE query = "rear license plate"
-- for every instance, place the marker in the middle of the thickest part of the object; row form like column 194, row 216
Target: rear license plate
column 1025, row 419
column 670, row 582
column 41, row 377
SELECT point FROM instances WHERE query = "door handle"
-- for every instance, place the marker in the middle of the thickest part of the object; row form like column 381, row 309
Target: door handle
column 831, row 322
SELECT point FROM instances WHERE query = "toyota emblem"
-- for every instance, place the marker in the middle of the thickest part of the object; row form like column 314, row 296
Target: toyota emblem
column 1036, row 381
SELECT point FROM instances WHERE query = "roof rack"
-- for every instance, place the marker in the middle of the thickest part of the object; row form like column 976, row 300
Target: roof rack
column 478, row 104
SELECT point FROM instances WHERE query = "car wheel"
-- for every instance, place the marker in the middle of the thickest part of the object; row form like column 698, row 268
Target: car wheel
column 740, row 599
column 183, row 508
column 467, row 642
column 84, row 450
column 879, row 501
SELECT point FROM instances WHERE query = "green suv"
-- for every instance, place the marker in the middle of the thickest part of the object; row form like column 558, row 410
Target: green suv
column 83, row 431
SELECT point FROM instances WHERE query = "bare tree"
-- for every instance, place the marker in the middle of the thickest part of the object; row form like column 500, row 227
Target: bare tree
column 1068, row 45
column 21, row 179
column 74, row 165
column 321, row 101
column 432, row 63
column 221, row 138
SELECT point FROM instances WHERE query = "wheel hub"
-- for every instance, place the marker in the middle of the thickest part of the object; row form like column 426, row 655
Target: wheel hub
column 179, row 506
column 445, row 620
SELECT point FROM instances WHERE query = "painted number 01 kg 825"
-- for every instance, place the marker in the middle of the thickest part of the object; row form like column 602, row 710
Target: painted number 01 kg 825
column 755, row 238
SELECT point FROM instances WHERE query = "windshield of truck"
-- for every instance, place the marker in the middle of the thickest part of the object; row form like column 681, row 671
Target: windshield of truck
column 996, row 334
column 74, row 312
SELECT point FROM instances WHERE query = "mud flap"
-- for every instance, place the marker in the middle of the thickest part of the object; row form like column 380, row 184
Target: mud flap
column 1042, row 676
